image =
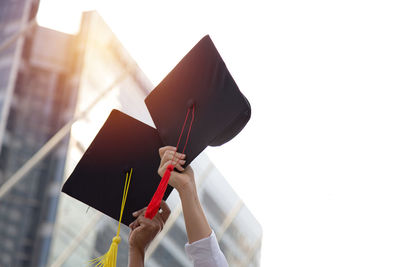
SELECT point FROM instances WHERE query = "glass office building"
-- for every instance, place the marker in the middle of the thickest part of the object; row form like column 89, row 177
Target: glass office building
column 38, row 98
column 15, row 16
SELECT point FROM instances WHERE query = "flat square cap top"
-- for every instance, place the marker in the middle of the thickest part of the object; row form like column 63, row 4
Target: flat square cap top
column 98, row 179
column 202, row 80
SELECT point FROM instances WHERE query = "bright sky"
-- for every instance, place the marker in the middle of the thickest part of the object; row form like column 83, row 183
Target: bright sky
column 319, row 162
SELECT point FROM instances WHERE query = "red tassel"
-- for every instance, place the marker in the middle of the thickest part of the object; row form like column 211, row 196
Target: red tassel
column 155, row 202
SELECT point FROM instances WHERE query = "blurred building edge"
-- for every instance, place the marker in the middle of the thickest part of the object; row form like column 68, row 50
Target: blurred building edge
column 15, row 15
column 35, row 101
column 65, row 74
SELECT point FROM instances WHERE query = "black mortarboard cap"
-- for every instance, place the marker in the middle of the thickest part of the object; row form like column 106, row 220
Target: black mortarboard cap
column 201, row 79
column 98, row 179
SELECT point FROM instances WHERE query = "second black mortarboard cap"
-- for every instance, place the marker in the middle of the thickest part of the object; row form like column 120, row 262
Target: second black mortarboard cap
column 200, row 81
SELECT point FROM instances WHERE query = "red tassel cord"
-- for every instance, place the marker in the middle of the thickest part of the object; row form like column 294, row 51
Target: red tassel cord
column 155, row 202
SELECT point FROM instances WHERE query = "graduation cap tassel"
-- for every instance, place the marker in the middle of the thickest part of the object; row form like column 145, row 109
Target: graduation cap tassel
column 110, row 258
column 155, row 202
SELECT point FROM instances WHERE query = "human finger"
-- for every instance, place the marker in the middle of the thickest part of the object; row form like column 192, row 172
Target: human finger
column 178, row 166
column 174, row 154
column 163, row 149
column 152, row 225
column 141, row 220
column 139, row 212
column 136, row 222
column 174, row 157
column 163, row 167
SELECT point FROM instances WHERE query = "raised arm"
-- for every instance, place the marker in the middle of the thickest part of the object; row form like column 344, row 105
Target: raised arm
column 203, row 248
column 196, row 223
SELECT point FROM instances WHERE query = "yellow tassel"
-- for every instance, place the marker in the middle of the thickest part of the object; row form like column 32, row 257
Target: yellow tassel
column 110, row 258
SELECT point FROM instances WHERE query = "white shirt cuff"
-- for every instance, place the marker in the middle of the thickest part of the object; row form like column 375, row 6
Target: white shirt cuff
column 206, row 252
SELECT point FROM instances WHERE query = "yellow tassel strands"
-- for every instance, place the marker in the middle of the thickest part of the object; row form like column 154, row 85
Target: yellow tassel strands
column 110, row 258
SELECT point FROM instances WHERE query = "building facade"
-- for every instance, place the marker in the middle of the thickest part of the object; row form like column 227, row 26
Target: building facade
column 38, row 98
column 15, row 18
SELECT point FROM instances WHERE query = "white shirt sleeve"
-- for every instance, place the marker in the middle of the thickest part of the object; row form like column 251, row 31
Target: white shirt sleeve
column 206, row 252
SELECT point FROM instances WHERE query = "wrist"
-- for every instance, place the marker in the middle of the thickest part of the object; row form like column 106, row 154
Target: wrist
column 136, row 257
column 186, row 188
column 136, row 251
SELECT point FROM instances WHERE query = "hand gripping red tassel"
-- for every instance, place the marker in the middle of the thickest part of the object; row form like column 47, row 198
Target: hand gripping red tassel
column 155, row 202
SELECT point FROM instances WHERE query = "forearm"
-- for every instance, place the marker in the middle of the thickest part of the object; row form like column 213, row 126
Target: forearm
column 197, row 226
column 136, row 258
